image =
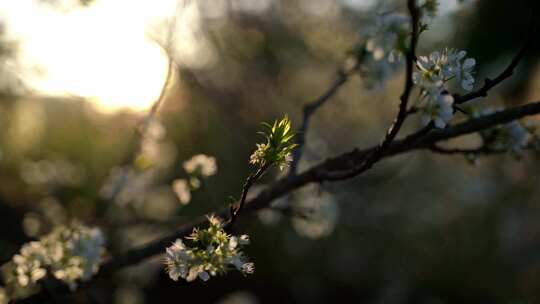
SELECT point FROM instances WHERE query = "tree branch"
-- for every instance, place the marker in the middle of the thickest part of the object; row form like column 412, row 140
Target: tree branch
column 453, row 151
column 330, row 169
column 348, row 164
column 235, row 210
column 322, row 171
column 482, row 150
column 310, row 109
column 375, row 155
column 422, row 139
column 410, row 55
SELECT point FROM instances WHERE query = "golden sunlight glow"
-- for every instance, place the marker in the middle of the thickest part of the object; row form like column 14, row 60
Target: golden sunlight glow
column 101, row 52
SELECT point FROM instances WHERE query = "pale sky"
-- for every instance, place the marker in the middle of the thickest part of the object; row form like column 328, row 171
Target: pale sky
column 100, row 52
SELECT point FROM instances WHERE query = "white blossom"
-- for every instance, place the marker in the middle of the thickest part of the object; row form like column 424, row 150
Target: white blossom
column 29, row 264
column 438, row 109
column 201, row 164
column 182, row 190
column 517, row 135
column 382, row 37
column 316, row 212
column 52, row 172
column 74, row 252
column 442, row 66
column 211, row 252
column 382, row 46
column 155, row 130
column 432, row 75
column 69, row 253
column 512, row 136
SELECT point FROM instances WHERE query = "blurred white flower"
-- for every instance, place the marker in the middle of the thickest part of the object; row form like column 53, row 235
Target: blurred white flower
column 52, row 172
column 29, row 265
column 438, row 109
column 155, row 130
column 512, row 136
column 269, row 216
column 460, row 68
column 118, row 177
column 74, row 252
column 317, row 212
column 182, row 190
column 69, row 253
column 201, row 164
column 517, row 135
column 382, row 44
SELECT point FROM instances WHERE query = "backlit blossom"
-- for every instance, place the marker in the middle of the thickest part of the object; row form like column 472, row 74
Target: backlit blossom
column 201, row 164
column 278, row 146
column 69, row 253
column 182, row 190
column 211, row 251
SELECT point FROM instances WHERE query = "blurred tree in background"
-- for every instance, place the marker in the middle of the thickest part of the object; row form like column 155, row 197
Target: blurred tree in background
column 418, row 228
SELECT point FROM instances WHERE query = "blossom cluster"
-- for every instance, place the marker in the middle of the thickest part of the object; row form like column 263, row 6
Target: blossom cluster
column 382, row 44
column 68, row 253
column 278, row 146
column 201, row 164
column 211, row 252
column 383, row 41
column 512, row 136
column 197, row 167
column 432, row 76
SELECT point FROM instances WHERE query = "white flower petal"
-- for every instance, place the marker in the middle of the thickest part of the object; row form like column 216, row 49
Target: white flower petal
column 439, row 123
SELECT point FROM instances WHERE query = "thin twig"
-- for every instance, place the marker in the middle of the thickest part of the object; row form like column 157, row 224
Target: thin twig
column 410, row 55
column 321, row 172
column 310, row 109
column 482, row 150
column 392, row 132
column 507, row 72
column 235, row 210
column 486, row 150
column 348, row 164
